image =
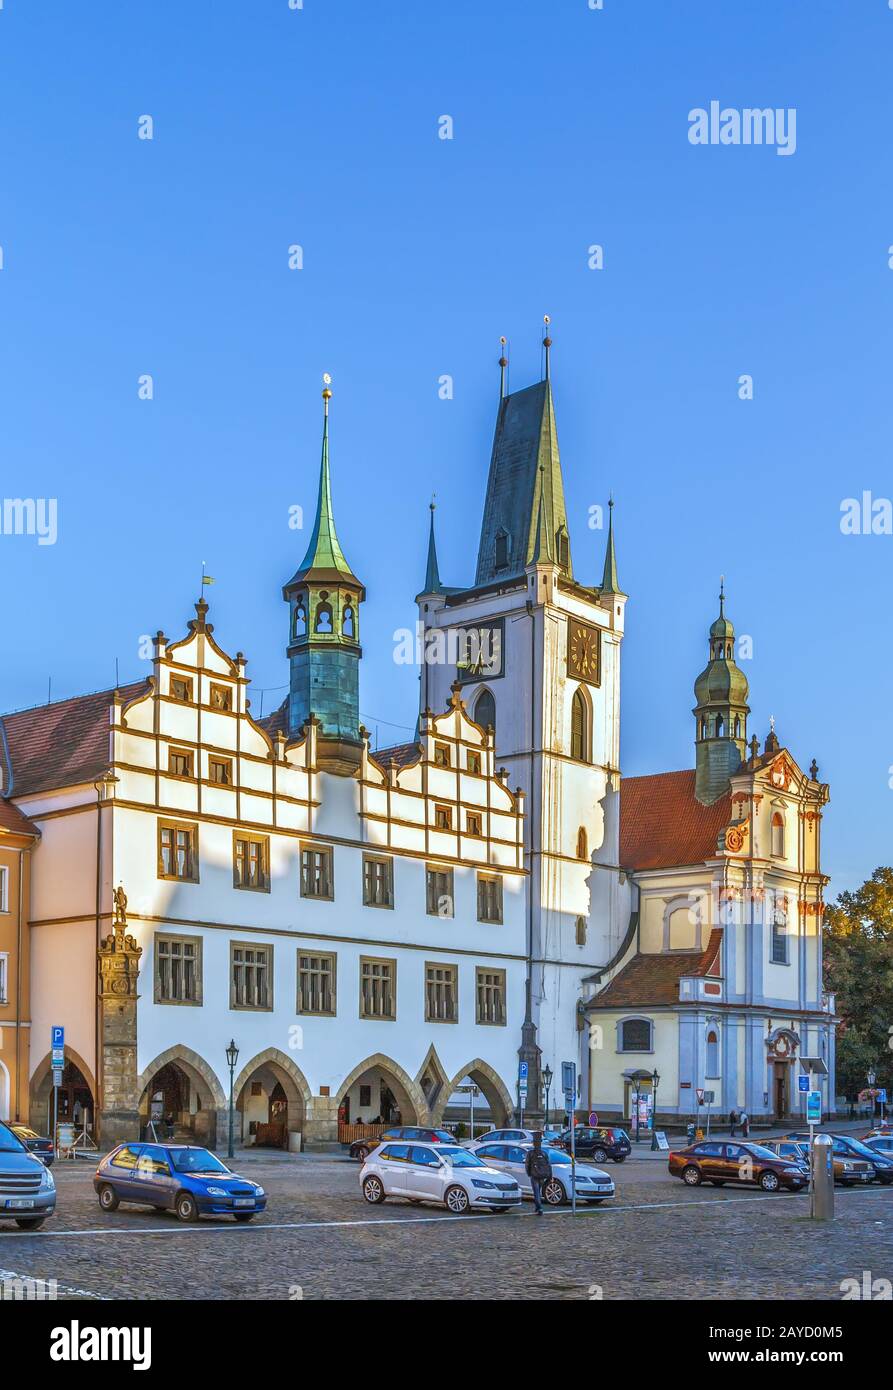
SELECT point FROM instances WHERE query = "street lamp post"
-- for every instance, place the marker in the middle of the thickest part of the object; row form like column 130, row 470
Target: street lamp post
column 655, row 1082
column 872, row 1078
column 232, row 1057
column 547, row 1083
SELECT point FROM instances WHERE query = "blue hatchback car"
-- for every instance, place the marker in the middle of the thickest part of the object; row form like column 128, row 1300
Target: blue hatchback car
column 176, row 1177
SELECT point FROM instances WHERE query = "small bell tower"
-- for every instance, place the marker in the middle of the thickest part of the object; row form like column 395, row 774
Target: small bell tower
column 721, row 712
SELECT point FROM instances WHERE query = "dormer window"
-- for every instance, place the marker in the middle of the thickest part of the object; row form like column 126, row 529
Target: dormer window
column 221, row 697
column 323, row 621
column 502, row 550
column 563, row 547
column 181, row 689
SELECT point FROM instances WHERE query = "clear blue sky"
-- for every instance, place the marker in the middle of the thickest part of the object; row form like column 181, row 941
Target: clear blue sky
column 319, row 127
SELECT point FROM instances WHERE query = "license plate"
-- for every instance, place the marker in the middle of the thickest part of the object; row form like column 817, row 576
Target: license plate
column 19, row 1202
column 243, row 1202
column 604, row 1187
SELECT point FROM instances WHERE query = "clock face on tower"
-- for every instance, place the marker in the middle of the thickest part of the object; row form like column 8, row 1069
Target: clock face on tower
column 478, row 651
column 584, row 652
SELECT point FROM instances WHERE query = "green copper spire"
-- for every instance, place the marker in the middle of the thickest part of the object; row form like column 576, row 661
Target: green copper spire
column 432, row 573
column 721, row 712
column 324, row 558
column 610, row 583
column 542, row 551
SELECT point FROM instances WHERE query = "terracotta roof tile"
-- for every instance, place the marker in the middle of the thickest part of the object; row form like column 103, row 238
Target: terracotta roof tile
column 14, row 822
column 654, row 979
column 662, row 825
column 61, row 744
column 277, row 722
column 399, row 753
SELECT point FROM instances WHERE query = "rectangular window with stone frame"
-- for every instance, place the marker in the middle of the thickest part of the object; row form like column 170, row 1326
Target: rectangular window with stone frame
column 378, row 881
column 490, row 991
column 181, row 689
column 439, row 891
column 251, row 861
column 251, row 976
column 317, row 872
column 181, row 762
column 220, row 771
column 178, row 969
column 317, row 981
column 178, row 850
column 489, row 898
column 378, row 988
column 441, row 993
column 220, row 697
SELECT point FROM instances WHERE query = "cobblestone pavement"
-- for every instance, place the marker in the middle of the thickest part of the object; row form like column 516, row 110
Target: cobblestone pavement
column 318, row 1239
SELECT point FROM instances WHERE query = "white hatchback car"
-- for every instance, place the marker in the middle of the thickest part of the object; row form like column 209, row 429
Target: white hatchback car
column 592, row 1184
column 443, row 1173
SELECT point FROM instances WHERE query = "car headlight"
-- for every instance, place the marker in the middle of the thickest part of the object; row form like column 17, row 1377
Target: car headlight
column 48, row 1181
column 259, row 1192
column 481, row 1182
column 798, row 1171
column 216, row 1191
column 847, row 1166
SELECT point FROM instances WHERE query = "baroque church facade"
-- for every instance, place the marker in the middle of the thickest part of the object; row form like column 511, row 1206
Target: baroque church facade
column 375, row 929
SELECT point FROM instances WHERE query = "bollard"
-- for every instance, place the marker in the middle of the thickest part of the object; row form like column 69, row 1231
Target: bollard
column 822, row 1178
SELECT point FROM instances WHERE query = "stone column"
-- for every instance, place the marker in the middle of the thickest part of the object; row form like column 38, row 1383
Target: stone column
column 118, row 1101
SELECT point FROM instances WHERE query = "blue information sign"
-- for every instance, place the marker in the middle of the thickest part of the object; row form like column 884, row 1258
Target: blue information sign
column 803, row 1083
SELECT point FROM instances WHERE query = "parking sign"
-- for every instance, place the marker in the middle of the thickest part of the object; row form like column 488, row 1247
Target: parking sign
column 814, row 1107
column 803, row 1083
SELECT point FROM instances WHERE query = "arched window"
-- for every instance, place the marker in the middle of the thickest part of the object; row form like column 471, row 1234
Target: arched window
column 581, row 931
column 703, row 727
column 323, row 620
column 347, row 626
column 737, row 726
column 720, row 726
column 582, row 843
column 501, row 550
column 580, row 727
column 485, row 711
column 712, row 1054
column 635, row 1035
column 299, row 619
column 778, row 834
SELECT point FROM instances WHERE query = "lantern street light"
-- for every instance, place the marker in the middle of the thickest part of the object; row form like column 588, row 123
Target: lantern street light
column 232, row 1057
column 547, row 1082
column 655, row 1082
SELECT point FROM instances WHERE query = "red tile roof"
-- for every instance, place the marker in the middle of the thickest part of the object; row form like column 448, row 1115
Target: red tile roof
column 13, row 822
column 654, row 979
column 662, row 825
column 399, row 753
column 277, row 722
column 61, row 744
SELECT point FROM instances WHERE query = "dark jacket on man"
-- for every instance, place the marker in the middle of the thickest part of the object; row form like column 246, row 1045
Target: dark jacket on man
column 537, row 1165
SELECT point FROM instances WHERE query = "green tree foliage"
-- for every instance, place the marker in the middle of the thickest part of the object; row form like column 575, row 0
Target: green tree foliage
column 858, row 954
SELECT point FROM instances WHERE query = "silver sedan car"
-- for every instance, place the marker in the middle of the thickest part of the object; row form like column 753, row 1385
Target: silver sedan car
column 591, row 1184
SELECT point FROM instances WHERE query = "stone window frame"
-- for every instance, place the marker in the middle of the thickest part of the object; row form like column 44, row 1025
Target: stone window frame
column 688, row 900
column 4, row 977
column 391, row 962
column 174, row 751
column 443, row 756
column 332, row 958
column 4, row 888
column 225, row 691
column 183, row 940
column 252, row 838
column 634, row 1018
column 497, row 880
column 328, row 851
column 447, row 872
column 267, row 947
column 224, row 762
column 388, row 861
column 453, row 970
column 501, row 985
column 167, row 823
column 186, row 681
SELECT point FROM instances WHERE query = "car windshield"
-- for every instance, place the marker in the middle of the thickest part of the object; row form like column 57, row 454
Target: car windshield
column 861, row 1148
column 461, row 1158
column 9, row 1144
column 759, row 1152
column 556, row 1155
column 196, row 1161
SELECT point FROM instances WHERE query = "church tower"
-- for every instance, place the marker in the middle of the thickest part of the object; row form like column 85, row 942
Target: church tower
column 324, row 651
column 720, row 714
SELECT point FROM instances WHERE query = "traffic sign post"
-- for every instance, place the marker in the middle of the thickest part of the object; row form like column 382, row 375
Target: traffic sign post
column 569, row 1085
column 57, row 1047
column 523, row 1073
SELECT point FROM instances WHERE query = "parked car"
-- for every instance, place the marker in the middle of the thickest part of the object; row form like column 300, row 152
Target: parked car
column 183, row 1178
column 718, row 1162
column 446, row 1174
column 846, row 1148
column 791, row 1150
column 36, row 1143
column 591, row 1183
column 27, row 1187
column 362, row 1148
column 883, row 1143
column 849, row 1172
column 599, row 1143
column 550, row 1135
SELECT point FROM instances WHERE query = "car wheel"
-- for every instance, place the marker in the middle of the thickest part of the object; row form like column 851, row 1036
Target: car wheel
column 361, row 1155
column 243, row 1215
column 769, row 1181
column 185, row 1207
column 621, row 1159
column 691, row 1175
column 108, row 1198
column 599, row 1156
column 554, row 1192
column 30, row 1223
column 373, row 1189
column 455, row 1199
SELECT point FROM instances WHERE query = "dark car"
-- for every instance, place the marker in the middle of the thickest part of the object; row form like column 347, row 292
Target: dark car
column 849, row 1171
column 847, row 1149
column 719, row 1162
column 598, row 1143
column 183, row 1178
column 362, row 1148
column 36, row 1143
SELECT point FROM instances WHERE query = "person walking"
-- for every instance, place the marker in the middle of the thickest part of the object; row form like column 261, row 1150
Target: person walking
column 733, row 1123
column 539, row 1169
column 744, row 1121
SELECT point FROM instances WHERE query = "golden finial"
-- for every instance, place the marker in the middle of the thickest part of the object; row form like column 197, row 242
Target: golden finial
column 326, row 390
column 503, row 363
column 547, row 341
